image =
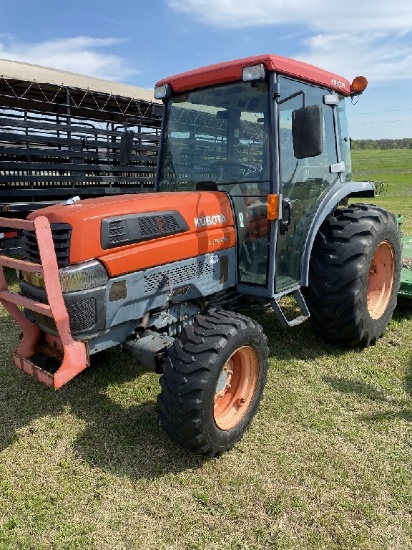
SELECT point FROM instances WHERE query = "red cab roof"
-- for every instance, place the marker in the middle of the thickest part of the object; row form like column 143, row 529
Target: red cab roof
column 231, row 71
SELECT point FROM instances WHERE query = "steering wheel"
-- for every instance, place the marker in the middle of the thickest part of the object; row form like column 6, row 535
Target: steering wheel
column 225, row 168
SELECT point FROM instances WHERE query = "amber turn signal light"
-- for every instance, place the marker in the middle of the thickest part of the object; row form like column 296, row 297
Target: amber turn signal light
column 359, row 84
column 272, row 207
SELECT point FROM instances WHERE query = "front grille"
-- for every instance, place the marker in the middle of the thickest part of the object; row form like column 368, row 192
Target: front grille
column 133, row 228
column 117, row 232
column 61, row 233
column 82, row 314
column 82, row 317
column 156, row 226
column 175, row 276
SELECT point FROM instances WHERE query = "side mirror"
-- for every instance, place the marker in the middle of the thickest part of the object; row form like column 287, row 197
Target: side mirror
column 307, row 131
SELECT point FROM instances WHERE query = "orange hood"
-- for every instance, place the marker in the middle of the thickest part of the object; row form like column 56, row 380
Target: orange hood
column 206, row 225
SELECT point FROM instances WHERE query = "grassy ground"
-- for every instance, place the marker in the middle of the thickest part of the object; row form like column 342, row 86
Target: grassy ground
column 326, row 463
column 392, row 170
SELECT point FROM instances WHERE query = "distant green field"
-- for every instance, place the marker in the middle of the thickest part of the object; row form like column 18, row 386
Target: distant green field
column 392, row 169
column 383, row 161
column 326, row 463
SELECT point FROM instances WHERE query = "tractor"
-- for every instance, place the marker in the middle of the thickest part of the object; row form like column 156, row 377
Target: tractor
column 254, row 205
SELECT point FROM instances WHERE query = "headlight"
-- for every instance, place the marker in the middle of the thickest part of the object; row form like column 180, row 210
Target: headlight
column 74, row 277
column 163, row 92
column 83, row 276
column 253, row 72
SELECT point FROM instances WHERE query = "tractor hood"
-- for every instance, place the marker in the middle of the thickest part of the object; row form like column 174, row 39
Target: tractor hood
column 131, row 232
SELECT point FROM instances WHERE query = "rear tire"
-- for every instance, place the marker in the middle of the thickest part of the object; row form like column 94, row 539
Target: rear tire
column 213, row 382
column 354, row 275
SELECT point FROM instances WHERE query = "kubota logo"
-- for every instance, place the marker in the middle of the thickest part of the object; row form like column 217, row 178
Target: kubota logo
column 209, row 220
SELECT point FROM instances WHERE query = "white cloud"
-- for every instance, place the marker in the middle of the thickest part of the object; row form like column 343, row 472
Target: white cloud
column 358, row 37
column 361, row 15
column 80, row 54
column 377, row 55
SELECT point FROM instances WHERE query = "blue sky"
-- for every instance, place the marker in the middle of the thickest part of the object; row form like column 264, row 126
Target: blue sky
column 140, row 41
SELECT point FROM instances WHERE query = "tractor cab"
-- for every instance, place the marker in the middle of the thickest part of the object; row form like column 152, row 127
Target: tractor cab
column 270, row 132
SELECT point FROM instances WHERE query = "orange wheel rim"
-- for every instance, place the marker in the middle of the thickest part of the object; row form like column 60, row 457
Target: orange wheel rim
column 381, row 277
column 236, row 387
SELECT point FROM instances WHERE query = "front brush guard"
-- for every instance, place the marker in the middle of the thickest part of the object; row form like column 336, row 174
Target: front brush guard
column 70, row 355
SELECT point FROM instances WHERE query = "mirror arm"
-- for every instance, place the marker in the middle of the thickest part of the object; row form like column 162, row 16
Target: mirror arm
column 301, row 92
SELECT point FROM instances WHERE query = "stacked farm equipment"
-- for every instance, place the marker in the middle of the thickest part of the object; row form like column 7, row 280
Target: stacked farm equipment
column 64, row 135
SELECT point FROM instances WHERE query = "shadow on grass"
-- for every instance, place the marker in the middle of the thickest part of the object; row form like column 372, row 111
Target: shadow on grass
column 401, row 410
column 302, row 342
column 119, row 435
column 121, row 431
column 125, row 440
column 403, row 309
column 361, row 389
column 130, row 441
column 290, row 343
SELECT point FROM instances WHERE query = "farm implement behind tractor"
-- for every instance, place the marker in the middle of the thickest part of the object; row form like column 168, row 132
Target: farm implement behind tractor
column 405, row 290
column 405, row 287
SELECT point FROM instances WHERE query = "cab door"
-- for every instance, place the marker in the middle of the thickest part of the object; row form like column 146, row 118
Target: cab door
column 303, row 181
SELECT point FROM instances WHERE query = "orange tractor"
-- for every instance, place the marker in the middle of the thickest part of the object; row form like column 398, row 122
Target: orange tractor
column 252, row 204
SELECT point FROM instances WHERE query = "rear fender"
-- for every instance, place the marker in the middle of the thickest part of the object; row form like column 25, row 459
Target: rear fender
column 328, row 203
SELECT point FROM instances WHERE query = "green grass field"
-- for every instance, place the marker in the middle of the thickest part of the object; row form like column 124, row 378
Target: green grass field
column 392, row 170
column 325, row 464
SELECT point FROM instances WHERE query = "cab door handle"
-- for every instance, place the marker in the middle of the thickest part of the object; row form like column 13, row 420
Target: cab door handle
column 286, row 216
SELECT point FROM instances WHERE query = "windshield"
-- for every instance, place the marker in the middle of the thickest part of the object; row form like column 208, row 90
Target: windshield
column 217, row 135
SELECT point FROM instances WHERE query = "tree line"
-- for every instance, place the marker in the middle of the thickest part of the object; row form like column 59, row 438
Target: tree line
column 402, row 143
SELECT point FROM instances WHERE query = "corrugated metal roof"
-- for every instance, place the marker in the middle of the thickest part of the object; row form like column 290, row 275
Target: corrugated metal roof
column 17, row 70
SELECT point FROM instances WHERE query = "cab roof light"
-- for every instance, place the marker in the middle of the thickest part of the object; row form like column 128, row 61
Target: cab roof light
column 359, row 84
column 163, row 92
column 253, row 72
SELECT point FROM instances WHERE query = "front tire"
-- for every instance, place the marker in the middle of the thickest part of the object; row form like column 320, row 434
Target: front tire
column 354, row 275
column 213, row 382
